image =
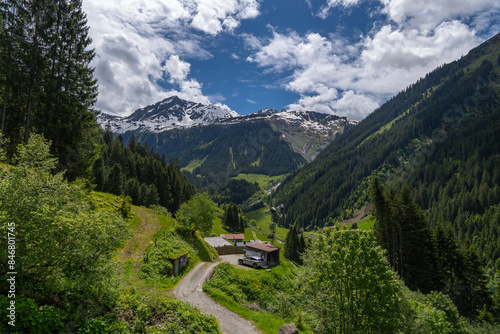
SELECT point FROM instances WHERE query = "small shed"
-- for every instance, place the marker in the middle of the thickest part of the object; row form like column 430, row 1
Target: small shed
column 235, row 238
column 179, row 263
column 270, row 253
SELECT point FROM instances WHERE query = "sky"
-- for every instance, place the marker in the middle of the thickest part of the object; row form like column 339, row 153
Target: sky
column 343, row 57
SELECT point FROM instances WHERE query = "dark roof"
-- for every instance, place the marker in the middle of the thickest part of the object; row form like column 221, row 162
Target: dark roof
column 263, row 247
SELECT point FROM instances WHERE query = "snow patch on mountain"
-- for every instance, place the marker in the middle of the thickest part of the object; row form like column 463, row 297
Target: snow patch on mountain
column 171, row 113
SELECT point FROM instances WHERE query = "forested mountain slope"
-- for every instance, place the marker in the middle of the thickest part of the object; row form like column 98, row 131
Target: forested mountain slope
column 440, row 135
column 216, row 152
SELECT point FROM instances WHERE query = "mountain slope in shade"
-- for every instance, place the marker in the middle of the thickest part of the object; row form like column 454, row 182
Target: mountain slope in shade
column 307, row 132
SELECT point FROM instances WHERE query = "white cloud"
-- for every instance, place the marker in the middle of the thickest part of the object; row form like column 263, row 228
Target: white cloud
column 141, row 43
column 324, row 11
column 214, row 16
column 176, row 69
column 426, row 14
column 391, row 57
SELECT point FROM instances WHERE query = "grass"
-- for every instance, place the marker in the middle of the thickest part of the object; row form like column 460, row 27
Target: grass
column 145, row 226
column 193, row 164
column 263, row 220
column 230, row 288
column 264, row 181
column 365, row 223
column 266, row 322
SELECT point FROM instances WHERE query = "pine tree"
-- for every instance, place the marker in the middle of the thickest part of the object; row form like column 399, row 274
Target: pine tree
column 402, row 230
column 231, row 218
column 416, row 245
column 49, row 86
column 292, row 245
column 302, row 247
column 116, row 180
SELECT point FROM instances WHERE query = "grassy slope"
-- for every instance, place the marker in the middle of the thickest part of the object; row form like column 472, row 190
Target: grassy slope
column 263, row 220
column 267, row 322
column 264, row 181
column 147, row 225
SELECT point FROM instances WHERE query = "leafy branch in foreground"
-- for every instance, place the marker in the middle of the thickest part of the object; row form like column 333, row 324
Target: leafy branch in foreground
column 348, row 284
column 64, row 246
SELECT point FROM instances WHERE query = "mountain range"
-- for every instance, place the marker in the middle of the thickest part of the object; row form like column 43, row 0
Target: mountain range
column 212, row 140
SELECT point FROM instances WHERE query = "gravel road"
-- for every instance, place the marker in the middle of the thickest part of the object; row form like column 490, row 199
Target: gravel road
column 189, row 289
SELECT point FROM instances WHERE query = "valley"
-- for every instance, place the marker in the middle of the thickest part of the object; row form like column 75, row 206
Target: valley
column 183, row 216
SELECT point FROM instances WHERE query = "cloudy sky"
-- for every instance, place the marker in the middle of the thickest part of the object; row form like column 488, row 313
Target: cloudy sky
column 344, row 57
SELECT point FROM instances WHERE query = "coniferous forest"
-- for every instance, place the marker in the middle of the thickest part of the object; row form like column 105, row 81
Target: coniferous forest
column 136, row 171
column 439, row 136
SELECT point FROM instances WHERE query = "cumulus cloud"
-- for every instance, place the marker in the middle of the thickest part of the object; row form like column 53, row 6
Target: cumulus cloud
column 324, row 11
column 426, row 14
column 140, row 44
column 335, row 76
column 214, row 16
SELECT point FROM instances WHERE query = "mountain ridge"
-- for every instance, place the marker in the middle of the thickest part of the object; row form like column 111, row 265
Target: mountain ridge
column 439, row 136
column 307, row 132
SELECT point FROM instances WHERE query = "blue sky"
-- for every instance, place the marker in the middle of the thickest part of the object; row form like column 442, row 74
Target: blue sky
column 344, row 57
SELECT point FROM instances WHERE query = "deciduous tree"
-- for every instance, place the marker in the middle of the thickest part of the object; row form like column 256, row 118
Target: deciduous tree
column 197, row 213
column 348, row 284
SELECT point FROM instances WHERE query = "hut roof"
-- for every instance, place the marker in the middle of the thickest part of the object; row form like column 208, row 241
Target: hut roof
column 217, row 242
column 263, row 247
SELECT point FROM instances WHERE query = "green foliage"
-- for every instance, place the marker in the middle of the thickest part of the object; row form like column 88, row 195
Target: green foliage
column 46, row 81
column 432, row 313
column 427, row 262
column 170, row 246
column 64, row 245
column 140, row 173
column 348, row 286
column 157, row 267
column 197, row 214
column 30, row 317
column 236, row 191
column 141, row 313
column 271, row 294
column 126, row 207
column 294, row 246
column 233, row 220
column 401, row 229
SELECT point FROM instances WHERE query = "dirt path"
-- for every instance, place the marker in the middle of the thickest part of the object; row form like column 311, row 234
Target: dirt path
column 190, row 290
column 358, row 215
column 143, row 233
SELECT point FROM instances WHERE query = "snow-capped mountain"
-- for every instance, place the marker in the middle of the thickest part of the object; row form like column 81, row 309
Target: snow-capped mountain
column 324, row 124
column 171, row 113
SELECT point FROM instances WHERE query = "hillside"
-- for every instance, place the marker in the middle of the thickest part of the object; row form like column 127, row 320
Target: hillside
column 440, row 135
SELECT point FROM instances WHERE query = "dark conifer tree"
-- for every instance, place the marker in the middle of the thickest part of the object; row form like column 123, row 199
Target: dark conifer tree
column 47, row 82
column 292, row 245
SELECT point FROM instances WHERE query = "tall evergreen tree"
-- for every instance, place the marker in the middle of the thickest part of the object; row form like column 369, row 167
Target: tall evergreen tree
column 292, row 245
column 402, row 230
column 48, row 84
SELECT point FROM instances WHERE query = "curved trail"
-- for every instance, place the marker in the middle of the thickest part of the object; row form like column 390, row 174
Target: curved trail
column 189, row 289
